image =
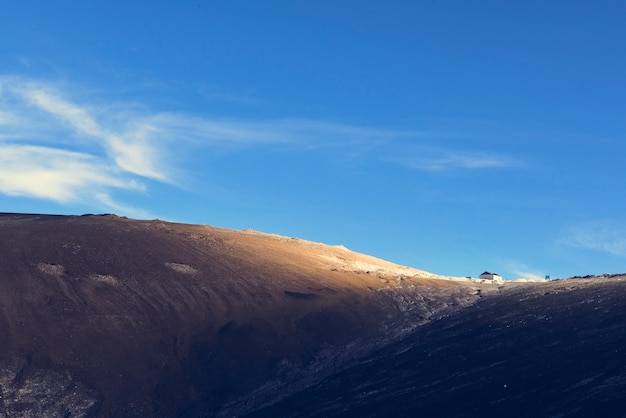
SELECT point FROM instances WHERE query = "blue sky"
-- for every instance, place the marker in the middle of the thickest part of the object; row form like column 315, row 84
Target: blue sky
column 451, row 136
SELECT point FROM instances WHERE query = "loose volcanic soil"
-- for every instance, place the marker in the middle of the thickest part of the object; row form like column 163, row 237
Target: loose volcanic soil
column 106, row 316
column 102, row 316
column 555, row 349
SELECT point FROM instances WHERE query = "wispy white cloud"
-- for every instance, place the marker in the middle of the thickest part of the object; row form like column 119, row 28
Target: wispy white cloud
column 131, row 151
column 606, row 235
column 8, row 118
column 236, row 133
column 62, row 149
column 62, row 176
column 522, row 271
column 78, row 117
column 58, row 144
column 439, row 159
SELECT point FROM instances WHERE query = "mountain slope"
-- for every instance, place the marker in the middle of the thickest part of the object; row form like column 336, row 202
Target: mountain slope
column 106, row 316
column 552, row 349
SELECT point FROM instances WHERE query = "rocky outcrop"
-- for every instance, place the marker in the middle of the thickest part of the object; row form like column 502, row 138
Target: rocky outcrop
column 30, row 392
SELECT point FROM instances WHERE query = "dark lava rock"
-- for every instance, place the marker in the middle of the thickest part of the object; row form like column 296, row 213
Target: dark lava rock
column 551, row 350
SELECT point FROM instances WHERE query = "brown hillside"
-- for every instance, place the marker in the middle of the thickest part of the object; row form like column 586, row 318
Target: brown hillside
column 106, row 316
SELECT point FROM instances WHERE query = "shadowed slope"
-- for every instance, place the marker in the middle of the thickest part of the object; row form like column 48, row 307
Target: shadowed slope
column 552, row 349
column 101, row 315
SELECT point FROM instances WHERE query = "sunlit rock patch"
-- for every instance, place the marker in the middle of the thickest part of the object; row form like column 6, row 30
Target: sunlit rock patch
column 182, row 268
column 104, row 278
column 52, row 269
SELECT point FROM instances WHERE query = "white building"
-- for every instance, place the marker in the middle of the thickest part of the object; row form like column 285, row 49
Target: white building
column 495, row 277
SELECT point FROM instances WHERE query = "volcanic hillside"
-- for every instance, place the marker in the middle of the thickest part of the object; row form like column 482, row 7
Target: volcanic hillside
column 554, row 349
column 102, row 316
column 106, row 316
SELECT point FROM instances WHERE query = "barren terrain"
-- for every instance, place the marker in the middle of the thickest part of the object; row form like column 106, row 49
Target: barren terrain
column 107, row 316
column 135, row 318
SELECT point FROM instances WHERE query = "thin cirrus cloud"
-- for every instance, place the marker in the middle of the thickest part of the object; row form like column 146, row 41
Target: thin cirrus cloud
column 60, row 146
column 131, row 152
column 54, row 174
column 439, row 160
column 55, row 149
column 607, row 236
column 523, row 272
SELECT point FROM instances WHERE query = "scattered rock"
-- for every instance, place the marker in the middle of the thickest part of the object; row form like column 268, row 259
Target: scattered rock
column 104, row 278
column 182, row 268
column 34, row 392
column 52, row 269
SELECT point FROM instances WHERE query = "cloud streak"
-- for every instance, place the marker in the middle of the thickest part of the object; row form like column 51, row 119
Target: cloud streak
column 59, row 145
column 130, row 151
column 439, row 160
column 62, row 176
column 59, row 149
column 523, row 272
column 608, row 236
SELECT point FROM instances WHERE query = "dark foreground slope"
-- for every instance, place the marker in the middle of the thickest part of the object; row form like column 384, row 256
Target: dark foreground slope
column 106, row 316
column 544, row 350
